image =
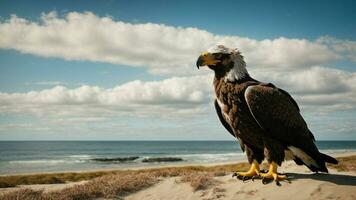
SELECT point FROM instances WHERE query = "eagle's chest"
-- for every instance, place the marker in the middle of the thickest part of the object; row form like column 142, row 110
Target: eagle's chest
column 225, row 110
column 231, row 100
column 232, row 107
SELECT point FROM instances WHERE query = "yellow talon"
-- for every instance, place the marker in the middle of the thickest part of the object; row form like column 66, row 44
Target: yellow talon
column 252, row 172
column 272, row 174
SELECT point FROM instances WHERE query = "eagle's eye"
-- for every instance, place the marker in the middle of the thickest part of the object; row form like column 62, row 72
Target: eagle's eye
column 221, row 56
column 217, row 55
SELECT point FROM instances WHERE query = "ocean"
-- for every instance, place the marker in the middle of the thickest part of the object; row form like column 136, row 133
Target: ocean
column 54, row 156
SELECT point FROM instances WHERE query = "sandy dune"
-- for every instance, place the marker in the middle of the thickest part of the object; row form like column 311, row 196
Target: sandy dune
column 304, row 185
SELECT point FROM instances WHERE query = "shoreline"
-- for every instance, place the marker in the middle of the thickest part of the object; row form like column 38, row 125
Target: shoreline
column 164, row 165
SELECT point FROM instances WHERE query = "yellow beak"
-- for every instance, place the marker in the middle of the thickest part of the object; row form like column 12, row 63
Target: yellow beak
column 206, row 59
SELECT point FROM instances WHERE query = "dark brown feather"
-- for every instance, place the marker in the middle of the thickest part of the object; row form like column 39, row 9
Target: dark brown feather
column 276, row 112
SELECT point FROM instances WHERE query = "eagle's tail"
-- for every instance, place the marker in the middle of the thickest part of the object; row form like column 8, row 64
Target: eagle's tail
column 315, row 160
column 321, row 159
column 319, row 165
column 328, row 159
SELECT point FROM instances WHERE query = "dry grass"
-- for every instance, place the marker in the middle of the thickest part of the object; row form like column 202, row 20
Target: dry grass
column 347, row 163
column 199, row 181
column 23, row 194
column 109, row 186
column 50, row 178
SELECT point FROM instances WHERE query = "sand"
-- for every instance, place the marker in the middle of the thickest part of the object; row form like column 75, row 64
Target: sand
column 304, row 185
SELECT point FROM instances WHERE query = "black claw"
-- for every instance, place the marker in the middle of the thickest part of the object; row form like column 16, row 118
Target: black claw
column 238, row 176
column 253, row 178
column 278, row 183
column 235, row 174
column 245, row 178
column 287, row 180
column 266, row 181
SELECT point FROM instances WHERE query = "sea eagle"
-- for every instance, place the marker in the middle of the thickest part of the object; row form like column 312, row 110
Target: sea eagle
column 264, row 118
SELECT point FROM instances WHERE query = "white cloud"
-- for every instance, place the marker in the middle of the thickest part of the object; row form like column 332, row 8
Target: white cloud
column 167, row 98
column 163, row 49
column 22, row 126
column 345, row 47
column 77, row 120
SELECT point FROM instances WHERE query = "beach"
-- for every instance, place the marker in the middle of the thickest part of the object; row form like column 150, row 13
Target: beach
column 195, row 182
column 24, row 157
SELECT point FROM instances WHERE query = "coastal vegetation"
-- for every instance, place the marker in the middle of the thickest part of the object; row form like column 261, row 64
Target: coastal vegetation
column 119, row 183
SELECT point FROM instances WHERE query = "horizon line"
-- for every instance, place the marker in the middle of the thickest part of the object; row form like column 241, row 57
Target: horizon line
column 149, row 140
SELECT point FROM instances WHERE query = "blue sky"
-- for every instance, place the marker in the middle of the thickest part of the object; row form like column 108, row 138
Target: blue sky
column 256, row 19
column 55, row 87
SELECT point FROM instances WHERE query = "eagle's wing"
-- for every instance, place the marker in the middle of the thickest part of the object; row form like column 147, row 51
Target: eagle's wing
column 277, row 113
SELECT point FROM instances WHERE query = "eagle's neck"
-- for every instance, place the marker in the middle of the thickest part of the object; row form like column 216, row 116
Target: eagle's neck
column 236, row 73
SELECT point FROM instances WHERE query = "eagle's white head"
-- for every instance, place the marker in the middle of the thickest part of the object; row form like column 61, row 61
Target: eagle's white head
column 227, row 63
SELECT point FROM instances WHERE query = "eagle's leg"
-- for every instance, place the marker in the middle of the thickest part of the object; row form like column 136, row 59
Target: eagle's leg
column 251, row 173
column 272, row 174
